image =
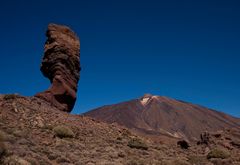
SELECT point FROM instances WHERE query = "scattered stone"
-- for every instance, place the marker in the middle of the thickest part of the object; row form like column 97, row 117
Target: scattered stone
column 38, row 122
column 217, row 135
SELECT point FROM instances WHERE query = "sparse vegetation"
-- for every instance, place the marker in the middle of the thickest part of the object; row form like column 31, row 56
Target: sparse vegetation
column 63, row 132
column 137, row 143
column 48, row 126
column 126, row 133
column 2, row 136
column 93, row 143
column 10, row 96
column 218, row 153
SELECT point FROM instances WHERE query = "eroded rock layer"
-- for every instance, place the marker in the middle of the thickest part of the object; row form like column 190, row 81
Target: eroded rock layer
column 61, row 64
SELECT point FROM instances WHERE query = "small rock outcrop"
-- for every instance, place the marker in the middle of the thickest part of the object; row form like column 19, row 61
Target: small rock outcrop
column 205, row 138
column 61, row 65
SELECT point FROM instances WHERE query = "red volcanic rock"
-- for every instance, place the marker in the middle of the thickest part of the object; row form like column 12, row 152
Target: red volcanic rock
column 61, row 64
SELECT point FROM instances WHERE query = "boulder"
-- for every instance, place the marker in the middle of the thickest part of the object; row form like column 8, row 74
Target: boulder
column 184, row 144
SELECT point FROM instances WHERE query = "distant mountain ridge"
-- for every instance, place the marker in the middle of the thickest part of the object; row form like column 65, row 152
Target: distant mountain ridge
column 159, row 115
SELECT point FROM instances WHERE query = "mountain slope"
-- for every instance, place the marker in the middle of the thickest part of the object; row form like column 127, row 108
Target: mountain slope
column 162, row 115
column 33, row 132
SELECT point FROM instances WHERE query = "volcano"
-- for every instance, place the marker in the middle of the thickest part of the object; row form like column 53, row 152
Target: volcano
column 159, row 115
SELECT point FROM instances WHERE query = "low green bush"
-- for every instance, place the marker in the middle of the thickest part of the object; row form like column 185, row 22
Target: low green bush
column 218, row 153
column 138, row 144
column 63, row 132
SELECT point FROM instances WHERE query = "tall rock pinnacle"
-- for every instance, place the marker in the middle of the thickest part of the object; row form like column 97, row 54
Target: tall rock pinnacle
column 61, row 65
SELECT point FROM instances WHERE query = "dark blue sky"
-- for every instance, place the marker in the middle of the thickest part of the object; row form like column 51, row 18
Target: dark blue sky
column 188, row 50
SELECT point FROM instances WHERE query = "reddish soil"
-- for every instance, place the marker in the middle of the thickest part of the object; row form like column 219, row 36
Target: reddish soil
column 32, row 132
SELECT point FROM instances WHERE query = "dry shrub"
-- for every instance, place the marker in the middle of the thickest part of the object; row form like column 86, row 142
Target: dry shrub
column 218, row 153
column 138, row 144
column 63, row 132
column 10, row 96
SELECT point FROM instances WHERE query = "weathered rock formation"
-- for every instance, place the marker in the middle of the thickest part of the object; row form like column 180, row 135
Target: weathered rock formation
column 61, row 64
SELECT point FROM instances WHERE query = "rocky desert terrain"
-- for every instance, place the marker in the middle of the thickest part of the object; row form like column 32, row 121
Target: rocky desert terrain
column 35, row 133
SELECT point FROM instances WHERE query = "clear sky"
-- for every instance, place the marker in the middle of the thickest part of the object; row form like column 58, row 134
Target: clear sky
column 185, row 49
